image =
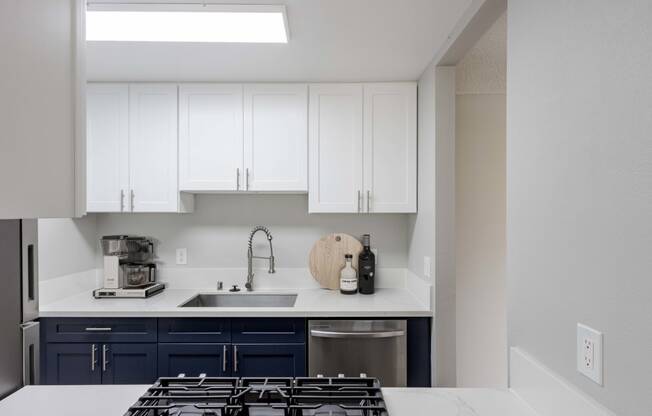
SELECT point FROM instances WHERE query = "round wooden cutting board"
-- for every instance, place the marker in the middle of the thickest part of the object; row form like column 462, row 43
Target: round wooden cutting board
column 327, row 258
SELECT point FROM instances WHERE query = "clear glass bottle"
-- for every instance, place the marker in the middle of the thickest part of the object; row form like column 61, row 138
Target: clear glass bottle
column 348, row 277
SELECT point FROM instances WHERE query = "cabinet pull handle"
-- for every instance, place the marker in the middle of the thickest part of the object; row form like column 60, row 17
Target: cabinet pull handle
column 247, row 178
column 368, row 199
column 359, row 200
column 104, row 361
column 133, row 198
column 237, row 179
column 235, row 358
column 93, row 360
column 122, row 200
column 98, row 329
column 224, row 358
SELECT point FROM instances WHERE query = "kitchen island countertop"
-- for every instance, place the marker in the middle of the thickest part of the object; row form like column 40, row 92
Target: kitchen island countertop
column 386, row 302
column 114, row 400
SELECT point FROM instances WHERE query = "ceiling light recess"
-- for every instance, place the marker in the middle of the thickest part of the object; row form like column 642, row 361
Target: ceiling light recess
column 148, row 22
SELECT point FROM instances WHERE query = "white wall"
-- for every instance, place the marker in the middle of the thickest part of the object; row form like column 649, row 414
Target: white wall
column 480, row 295
column 579, row 189
column 66, row 246
column 431, row 230
column 216, row 234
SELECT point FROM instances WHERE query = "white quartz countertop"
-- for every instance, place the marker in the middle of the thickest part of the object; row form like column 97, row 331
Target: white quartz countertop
column 114, row 400
column 386, row 302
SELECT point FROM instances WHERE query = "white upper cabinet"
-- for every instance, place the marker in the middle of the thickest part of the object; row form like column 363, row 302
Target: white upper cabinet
column 107, row 124
column 132, row 149
column 210, row 137
column 335, row 132
column 42, row 108
column 153, row 148
column 276, row 137
column 363, row 148
column 390, row 147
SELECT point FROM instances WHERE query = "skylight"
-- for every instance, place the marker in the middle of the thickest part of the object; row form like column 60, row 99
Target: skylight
column 186, row 23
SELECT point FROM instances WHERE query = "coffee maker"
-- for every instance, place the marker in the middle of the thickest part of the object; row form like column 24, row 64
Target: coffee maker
column 129, row 269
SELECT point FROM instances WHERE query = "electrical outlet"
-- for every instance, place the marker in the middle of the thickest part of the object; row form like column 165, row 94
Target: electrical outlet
column 426, row 266
column 589, row 352
column 375, row 251
column 182, row 256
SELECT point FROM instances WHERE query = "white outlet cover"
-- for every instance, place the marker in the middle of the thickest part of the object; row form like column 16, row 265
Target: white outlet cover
column 426, row 266
column 182, row 256
column 589, row 352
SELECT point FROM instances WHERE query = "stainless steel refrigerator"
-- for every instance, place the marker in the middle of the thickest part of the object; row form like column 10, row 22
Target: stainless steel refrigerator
column 19, row 330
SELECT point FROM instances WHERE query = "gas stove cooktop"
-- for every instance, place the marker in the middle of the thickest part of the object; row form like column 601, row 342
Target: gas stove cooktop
column 253, row 396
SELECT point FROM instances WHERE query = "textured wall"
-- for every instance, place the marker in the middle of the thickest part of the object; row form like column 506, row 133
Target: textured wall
column 483, row 70
column 579, row 189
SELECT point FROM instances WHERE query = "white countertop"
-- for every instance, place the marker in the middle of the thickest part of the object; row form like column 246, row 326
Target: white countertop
column 386, row 302
column 114, row 400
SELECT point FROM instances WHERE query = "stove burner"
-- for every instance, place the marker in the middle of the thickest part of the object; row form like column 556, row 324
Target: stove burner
column 258, row 396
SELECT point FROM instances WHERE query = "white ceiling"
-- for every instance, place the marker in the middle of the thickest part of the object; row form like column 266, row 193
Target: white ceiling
column 330, row 40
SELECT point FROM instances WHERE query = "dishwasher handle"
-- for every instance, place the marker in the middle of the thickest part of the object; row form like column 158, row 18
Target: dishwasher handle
column 321, row 333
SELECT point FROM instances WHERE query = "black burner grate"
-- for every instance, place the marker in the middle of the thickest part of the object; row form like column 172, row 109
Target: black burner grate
column 259, row 396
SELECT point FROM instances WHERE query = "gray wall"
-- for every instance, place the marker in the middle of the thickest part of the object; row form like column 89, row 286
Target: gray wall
column 579, row 189
column 66, row 246
column 216, row 234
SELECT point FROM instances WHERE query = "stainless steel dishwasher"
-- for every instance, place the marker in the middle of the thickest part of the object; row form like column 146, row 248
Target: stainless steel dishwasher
column 376, row 348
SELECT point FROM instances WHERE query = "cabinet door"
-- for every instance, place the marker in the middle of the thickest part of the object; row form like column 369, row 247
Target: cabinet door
column 128, row 363
column 107, row 147
column 210, row 137
column 73, row 364
column 41, row 108
column 390, row 147
column 193, row 360
column 335, row 133
column 276, row 137
column 153, row 148
column 269, row 360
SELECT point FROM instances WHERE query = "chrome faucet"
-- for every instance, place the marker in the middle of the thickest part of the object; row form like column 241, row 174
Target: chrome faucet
column 250, row 256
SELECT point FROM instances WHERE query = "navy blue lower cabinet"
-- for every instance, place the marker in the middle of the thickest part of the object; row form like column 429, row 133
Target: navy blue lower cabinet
column 128, row 363
column 73, row 364
column 418, row 356
column 269, row 360
column 194, row 359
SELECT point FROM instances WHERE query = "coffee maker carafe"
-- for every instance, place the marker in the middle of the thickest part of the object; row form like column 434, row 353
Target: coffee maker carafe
column 128, row 261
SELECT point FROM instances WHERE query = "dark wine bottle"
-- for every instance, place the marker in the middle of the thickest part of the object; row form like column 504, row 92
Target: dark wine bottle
column 366, row 267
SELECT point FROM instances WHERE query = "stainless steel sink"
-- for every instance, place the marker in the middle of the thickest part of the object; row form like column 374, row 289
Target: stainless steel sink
column 240, row 300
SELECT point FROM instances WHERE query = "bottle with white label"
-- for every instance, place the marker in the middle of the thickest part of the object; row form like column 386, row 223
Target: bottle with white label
column 348, row 277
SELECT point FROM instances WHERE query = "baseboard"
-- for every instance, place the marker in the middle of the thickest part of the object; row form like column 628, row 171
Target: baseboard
column 547, row 393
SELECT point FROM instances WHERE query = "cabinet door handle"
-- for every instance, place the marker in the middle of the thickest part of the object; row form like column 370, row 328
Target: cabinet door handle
column 93, row 358
column 237, row 179
column 122, row 200
column 359, row 195
column 247, row 178
column 368, row 199
column 224, row 358
column 104, row 360
column 235, row 358
column 133, row 198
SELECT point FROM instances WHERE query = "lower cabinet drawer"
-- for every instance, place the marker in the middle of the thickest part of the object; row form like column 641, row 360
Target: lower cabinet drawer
column 204, row 330
column 268, row 330
column 99, row 329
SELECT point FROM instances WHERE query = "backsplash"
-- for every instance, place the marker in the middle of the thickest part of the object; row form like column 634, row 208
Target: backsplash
column 216, row 234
